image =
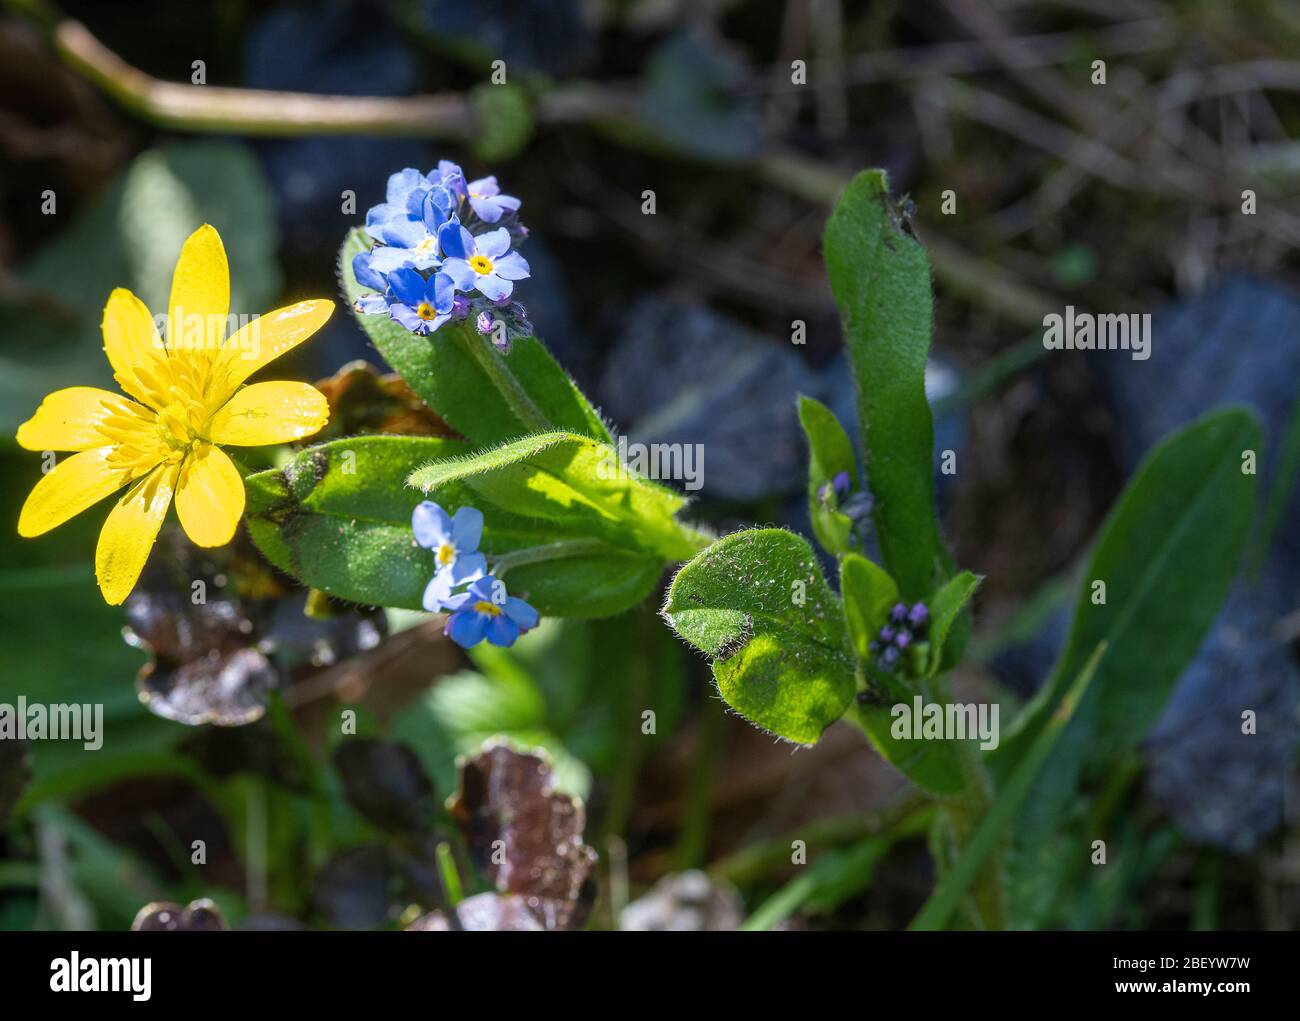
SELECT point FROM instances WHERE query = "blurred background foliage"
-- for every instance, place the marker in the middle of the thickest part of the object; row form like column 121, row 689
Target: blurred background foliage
column 222, row 720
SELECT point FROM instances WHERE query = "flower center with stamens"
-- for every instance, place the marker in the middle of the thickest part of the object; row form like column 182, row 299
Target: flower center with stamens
column 490, row 609
column 427, row 248
column 480, row 264
column 446, row 553
column 426, row 311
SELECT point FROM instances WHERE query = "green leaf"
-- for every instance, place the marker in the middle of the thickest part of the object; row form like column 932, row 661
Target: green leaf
column 868, row 593
column 575, row 482
column 1167, row 555
column 337, row 517
column 757, row 604
column 945, row 605
column 881, row 280
column 829, row 452
column 948, row 895
column 487, row 397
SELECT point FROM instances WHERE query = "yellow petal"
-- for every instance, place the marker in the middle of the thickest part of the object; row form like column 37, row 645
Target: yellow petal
column 210, row 496
column 266, row 338
column 200, row 298
column 67, row 419
column 73, row 485
column 129, row 533
column 133, row 347
column 270, row 413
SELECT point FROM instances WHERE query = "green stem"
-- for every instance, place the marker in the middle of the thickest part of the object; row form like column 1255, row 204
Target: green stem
column 449, row 874
column 964, row 813
column 548, row 551
column 489, row 359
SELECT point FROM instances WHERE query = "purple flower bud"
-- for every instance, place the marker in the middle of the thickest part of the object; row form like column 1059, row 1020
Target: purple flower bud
column 873, row 646
column 823, row 493
column 502, row 301
column 887, row 633
column 841, row 483
column 903, row 639
column 918, row 615
column 899, row 613
column 460, row 306
column 890, row 656
column 484, row 323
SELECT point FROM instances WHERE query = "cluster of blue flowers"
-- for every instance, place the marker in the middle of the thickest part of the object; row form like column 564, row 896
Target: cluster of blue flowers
column 443, row 254
column 476, row 602
column 904, row 628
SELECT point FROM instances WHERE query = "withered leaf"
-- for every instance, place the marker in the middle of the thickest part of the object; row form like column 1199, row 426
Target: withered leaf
column 222, row 632
column 524, row 835
column 363, row 401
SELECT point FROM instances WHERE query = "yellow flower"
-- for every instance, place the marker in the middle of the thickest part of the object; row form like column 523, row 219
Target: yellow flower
column 189, row 397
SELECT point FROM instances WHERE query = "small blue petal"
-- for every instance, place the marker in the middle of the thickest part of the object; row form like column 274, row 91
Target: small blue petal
column 443, row 289
column 468, row 567
column 465, row 628
column 495, row 243
column 520, row 612
column 494, row 287
column 455, row 240
column 408, row 285
column 502, row 631
column 511, row 266
column 467, row 528
column 460, row 273
column 431, row 525
column 365, row 272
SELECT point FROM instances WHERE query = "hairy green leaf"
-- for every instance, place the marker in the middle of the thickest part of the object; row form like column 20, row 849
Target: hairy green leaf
column 577, row 483
column 868, row 593
column 338, row 518
column 881, row 280
column 945, row 605
column 757, row 604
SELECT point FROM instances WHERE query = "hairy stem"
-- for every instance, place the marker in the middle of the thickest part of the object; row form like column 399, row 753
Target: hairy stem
column 549, row 551
column 494, row 366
